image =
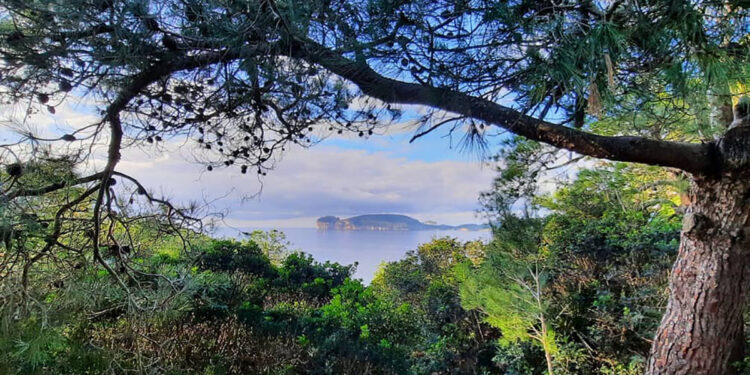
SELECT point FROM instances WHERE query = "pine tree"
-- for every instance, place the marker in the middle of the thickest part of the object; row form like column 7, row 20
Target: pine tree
column 243, row 78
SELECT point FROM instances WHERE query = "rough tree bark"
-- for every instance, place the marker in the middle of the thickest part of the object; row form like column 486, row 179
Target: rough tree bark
column 702, row 329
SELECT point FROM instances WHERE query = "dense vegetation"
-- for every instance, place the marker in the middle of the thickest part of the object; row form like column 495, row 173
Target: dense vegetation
column 573, row 282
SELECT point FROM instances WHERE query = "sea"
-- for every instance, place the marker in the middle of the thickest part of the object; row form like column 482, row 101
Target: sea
column 368, row 248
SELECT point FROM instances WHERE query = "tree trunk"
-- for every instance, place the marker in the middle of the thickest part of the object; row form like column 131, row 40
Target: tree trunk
column 546, row 346
column 548, row 358
column 702, row 329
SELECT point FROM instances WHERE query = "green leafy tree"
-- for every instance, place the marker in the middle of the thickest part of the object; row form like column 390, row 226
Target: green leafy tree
column 452, row 340
column 510, row 286
column 361, row 333
column 273, row 243
column 612, row 232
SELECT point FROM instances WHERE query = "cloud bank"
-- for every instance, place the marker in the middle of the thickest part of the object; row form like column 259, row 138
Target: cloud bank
column 343, row 176
column 320, row 181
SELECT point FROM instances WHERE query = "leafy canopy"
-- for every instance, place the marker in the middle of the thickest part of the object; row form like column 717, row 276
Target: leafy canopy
column 242, row 78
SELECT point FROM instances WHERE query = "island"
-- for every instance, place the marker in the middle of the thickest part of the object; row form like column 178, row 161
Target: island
column 387, row 222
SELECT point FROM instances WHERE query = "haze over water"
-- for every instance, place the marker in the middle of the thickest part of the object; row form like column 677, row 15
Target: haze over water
column 368, row 248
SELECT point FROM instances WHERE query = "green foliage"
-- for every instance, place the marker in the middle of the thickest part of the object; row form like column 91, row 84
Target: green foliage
column 451, row 340
column 300, row 270
column 658, row 69
column 510, row 286
column 230, row 256
column 615, row 231
column 583, row 283
column 273, row 243
column 578, row 274
column 606, row 240
column 300, row 315
column 364, row 330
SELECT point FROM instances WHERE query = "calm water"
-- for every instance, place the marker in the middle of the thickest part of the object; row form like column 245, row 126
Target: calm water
column 369, row 248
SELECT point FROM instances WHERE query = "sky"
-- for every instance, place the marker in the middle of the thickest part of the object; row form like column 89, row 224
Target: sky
column 429, row 179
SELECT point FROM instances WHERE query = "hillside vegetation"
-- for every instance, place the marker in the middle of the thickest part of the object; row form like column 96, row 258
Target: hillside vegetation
column 579, row 290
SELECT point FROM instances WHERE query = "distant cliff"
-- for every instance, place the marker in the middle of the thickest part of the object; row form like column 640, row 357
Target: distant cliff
column 385, row 222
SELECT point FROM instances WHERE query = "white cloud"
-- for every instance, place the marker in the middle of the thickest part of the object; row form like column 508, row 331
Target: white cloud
column 307, row 183
column 320, row 181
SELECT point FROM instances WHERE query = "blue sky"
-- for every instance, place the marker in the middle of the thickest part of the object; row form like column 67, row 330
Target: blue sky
column 433, row 147
column 429, row 179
